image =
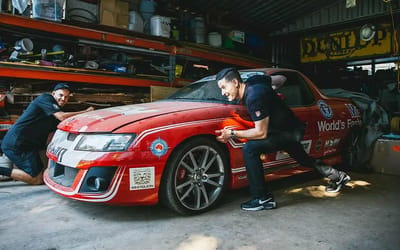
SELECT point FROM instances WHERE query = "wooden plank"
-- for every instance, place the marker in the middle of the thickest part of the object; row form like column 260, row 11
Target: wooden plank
column 157, row 92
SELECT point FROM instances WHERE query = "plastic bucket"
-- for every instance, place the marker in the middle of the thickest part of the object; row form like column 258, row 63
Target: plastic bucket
column 228, row 43
column 215, row 39
column 135, row 21
column 24, row 44
column 160, row 26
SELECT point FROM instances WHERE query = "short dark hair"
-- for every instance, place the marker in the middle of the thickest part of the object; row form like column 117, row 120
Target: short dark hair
column 62, row 85
column 229, row 74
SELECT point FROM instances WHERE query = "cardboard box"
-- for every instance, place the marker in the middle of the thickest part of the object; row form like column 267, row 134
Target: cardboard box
column 108, row 18
column 122, row 21
column 114, row 13
column 122, row 8
column 108, row 5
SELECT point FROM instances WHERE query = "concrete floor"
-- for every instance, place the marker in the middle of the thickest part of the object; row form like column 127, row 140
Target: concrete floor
column 365, row 215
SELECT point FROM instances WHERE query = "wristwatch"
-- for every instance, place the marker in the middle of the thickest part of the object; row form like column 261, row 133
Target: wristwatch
column 232, row 133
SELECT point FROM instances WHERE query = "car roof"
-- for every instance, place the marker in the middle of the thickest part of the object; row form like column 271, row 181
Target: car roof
column 246, row 73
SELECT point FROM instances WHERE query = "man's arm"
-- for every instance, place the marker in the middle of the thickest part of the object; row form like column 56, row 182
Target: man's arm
column 260, row 131
column 61, row 115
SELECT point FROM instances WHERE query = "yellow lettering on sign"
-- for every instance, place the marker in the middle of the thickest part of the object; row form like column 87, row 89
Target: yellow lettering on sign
column 345, row 44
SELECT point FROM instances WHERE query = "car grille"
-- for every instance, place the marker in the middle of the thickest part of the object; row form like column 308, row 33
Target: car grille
column 61, row 174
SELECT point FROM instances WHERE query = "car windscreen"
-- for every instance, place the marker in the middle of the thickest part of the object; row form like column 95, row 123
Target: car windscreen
column 203, row 91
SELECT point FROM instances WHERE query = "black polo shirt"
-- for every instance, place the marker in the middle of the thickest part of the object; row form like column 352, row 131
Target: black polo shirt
column 34, row 125
column 262, row 101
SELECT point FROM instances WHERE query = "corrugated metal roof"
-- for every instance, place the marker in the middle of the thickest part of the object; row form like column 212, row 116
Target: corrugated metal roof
column 254, row 15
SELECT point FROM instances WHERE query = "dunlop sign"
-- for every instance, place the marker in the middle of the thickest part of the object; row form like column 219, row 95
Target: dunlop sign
column 345, row 44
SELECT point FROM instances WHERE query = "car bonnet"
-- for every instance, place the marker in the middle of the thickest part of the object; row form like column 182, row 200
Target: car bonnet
column 109, row 119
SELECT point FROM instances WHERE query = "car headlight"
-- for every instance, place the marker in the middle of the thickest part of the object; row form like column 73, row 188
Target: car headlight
column 105, row 142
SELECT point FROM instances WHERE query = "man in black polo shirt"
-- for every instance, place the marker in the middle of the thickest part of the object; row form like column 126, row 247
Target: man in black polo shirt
column 275, row 128
column 28, row 136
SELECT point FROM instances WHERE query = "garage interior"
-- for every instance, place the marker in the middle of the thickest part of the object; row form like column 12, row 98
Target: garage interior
column 118, row 52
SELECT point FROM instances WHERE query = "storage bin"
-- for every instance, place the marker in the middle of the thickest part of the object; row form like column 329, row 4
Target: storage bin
column 160, row 26
column 52, row 10
column 386, row 156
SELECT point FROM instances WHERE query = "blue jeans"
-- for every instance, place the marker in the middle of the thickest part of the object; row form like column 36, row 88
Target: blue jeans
column 288, row 141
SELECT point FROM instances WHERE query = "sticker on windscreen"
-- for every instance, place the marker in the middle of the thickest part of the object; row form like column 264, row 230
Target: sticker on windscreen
column 325, row 109
column 159, row 147
column 141, row 178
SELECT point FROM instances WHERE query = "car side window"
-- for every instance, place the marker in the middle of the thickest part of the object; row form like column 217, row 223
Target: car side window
column 295, row 91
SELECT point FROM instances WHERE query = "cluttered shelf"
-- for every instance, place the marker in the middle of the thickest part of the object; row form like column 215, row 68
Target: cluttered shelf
column 153, row 58
column 20, row 70
column 112, row 35
column 81, row 32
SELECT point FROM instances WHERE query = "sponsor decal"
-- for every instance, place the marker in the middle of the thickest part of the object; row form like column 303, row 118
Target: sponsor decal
column 141, row 178
column 159, row 147
column 329, row 151
column 325, row 109
column 59, row 152
column 332, row 142
column 336, row 125
column 354, row 112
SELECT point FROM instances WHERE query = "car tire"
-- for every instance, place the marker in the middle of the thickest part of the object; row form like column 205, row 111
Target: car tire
column 195, row 177
column 354, row 155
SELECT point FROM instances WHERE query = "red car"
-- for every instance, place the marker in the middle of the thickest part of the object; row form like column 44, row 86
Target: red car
column 166, row 150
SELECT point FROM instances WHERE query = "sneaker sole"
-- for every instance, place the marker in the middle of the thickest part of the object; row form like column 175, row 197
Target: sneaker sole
column 269, row 205
column 5, row 178
column 253, row 208
column 343, row 182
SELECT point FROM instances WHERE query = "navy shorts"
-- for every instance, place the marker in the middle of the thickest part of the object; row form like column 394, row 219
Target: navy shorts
column 28, row 161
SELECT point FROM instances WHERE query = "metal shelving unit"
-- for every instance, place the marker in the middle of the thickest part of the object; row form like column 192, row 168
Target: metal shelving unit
column 111, row 38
